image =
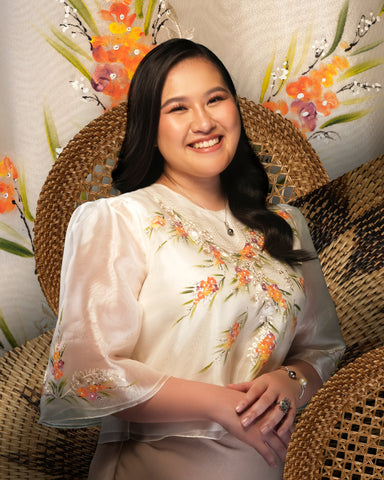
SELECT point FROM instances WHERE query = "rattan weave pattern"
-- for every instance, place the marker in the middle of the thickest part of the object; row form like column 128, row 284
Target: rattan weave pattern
column 29, row 450
column 340, row 434
column 83, row 173
column 346, row 223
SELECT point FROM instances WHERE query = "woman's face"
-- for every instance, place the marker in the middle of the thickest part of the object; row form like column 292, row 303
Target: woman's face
column 199, row 126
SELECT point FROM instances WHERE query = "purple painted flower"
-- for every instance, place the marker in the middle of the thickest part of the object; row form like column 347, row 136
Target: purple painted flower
column 306, row 111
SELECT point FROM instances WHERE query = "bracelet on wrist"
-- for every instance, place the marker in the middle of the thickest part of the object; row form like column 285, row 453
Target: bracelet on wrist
column 302, row 380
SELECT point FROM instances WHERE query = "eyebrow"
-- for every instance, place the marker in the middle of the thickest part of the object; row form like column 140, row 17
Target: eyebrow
column 184, row 98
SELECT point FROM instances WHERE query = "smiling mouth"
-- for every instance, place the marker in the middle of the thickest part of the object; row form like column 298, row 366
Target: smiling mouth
column 206, row 143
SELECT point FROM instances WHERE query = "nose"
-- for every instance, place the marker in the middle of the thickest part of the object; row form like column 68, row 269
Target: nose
column 202, row 121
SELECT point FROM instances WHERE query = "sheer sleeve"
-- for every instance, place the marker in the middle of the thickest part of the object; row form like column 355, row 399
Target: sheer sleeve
column 91, row 373
column 318, row 338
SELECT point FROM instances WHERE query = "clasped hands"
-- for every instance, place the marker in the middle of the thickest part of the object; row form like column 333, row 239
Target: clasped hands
column 261, row 422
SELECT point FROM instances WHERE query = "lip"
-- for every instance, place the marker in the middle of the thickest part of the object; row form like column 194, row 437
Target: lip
column 211, row 148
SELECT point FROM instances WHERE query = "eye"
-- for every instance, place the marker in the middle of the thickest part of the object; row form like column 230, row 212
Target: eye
column 216, row 99
column 177, row 108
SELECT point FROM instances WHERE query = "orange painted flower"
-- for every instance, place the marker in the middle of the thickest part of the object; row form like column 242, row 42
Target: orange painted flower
column 119, row 16
column 341, row 63
column 304, row 88
column 324, row 76
column 277, row 107
column 7, row 197
column 328, row 103
column 8, row 169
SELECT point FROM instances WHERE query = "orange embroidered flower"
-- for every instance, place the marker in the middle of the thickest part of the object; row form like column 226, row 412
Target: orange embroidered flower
column 205, row 288
column 82, row 392
column 8, row 169
column 275, row 294
column 277, row 107
column 243, row 276
column 266, row 347
column 247, row 251
column 56, row 355
column 301, row 280
column 218, row 259
column 58, row 374
column 257, row 238
column 158, row 221
column 232, row 335
column 7, row 193
column 328, row 103
column 180, row 230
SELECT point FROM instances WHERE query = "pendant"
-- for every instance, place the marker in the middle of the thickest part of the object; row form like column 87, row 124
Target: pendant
column 230, row 231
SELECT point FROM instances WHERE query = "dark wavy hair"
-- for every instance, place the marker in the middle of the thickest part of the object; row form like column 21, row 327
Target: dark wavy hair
column 244, row 181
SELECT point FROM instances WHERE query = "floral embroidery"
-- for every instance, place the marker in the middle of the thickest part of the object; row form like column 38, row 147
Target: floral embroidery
column 275, row 294
column 227, row 340
column 262, row 347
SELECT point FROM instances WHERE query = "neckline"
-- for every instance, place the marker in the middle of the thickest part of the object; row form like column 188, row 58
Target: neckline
column 186, row 199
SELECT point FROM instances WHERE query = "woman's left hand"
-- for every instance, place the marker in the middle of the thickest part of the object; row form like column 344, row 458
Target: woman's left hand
column 262, row 399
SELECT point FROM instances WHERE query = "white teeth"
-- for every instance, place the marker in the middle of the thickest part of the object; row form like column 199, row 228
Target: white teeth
column 206, row 143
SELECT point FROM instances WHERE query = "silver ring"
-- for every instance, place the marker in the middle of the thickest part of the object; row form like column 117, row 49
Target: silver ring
column 284, row 405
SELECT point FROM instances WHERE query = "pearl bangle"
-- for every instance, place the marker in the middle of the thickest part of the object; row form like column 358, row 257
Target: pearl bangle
column 302, row 380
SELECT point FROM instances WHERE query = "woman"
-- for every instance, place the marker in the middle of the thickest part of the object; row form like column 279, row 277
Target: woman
column 194, row 320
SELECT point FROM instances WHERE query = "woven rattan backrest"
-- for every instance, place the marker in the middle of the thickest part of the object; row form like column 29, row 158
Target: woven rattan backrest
column 347, row 227
column 340, row 434
column 83, row 173
column 30, row 450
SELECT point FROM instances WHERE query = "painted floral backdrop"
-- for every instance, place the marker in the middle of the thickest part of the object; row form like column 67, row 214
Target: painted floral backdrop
column 65, row 62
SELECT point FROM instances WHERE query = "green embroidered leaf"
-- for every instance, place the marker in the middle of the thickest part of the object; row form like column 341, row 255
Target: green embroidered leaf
column 340, row 28
column 267, row 78
column 69, row 43
column 68, row 56
column 139, row 8
column 14, row 248
column 11, row 231
column 289, row 60
column 360, row 68
column 24, row 199
column 206, row 368
column 148, row 16
column 348, row 117
column 371, row 46
column 6, row 332
column 51, row 132
column 85, row 14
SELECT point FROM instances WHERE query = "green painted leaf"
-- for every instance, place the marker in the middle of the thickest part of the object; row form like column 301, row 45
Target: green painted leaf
column 139, row 8
column 267, row 78
column 381, row 10
column 6, row 332
column 348, row 117
column 24, row 199
column 289, row 60
column 14, row 248
column 51, row 132
column 68, row 56
column 148, row 16
column 85, row 14
column 340, row 28
column 11, row 231
column 360, row 68
column 306, row 45
column 371, row 46
column 357, row 100
column 69, row 43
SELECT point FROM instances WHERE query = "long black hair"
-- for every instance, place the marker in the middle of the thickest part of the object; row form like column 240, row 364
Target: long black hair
column 244, row 181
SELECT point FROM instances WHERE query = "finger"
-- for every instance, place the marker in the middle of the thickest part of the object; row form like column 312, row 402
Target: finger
column 257, row 408
column 277, row 445
column 282, row 415
column 287, row 424
column 241, row 387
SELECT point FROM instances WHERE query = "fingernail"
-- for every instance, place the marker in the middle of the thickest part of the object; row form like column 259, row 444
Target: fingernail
column 265, row 429
column 245, row 421
column 239, row 408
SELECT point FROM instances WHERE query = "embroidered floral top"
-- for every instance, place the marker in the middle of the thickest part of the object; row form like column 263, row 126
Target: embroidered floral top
column 153, row 286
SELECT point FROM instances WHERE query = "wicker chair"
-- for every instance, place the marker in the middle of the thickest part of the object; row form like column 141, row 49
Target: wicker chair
column 82, row 173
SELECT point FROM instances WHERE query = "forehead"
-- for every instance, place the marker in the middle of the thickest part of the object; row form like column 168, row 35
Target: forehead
column 192, row 76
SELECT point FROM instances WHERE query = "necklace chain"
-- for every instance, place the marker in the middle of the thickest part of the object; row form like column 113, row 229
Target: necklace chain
column 230, row 230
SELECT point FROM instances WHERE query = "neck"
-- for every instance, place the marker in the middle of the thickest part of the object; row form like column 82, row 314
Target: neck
column 206, row 194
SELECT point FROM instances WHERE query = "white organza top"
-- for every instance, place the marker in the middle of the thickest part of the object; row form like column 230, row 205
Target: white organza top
column 152, row 286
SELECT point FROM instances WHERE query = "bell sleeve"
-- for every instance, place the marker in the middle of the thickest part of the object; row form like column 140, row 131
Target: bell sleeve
column 91, row 372
column 318, row 339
